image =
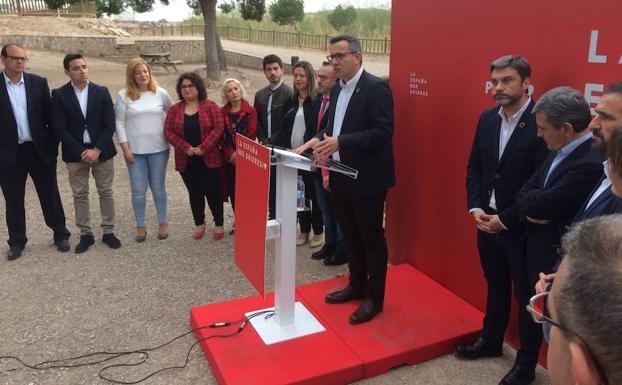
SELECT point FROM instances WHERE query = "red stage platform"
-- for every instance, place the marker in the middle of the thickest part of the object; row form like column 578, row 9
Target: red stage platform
column 420, row 320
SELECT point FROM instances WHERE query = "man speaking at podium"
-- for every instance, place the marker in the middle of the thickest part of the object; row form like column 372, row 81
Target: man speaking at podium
column 359, row 135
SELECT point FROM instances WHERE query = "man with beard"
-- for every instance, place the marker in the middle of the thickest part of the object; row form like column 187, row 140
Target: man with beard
column 270, row 106
column 506, row 151
column 608, row 116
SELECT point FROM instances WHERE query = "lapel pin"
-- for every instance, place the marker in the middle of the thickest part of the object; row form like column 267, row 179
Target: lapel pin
column 357, row 90
column 521, row 125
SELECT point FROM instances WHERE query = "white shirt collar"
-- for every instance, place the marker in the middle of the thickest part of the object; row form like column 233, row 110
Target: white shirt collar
column 518, row 113
column 606, row 168
column 352, row 82
column 8, row 81
column 80, row 90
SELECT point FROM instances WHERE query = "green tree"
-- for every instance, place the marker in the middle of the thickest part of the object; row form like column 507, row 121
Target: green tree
column 227, row 7
column 252, row 9
column 342, row 17
column 288, row 12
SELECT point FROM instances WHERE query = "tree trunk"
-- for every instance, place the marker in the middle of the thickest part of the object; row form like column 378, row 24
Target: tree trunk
column 208, row 8
column 222, row 59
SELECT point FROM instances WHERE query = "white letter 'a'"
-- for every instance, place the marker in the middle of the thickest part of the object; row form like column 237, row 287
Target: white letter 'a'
column 593, row 57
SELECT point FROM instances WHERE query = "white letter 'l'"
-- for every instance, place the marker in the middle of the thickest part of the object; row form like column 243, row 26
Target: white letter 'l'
column 593, row 57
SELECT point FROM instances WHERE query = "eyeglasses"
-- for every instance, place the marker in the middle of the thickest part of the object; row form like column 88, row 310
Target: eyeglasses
column 537, row 308
column 324, row 77
column 187, row 86
column 339, row 55
column 18, row 58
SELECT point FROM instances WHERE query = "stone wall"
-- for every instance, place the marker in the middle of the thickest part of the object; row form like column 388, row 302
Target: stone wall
column 86, row 45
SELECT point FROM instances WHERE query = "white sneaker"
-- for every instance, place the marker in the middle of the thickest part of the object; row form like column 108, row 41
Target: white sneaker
column 316, row 240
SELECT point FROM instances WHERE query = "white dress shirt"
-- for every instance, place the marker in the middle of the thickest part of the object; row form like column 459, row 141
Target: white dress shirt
column 564, row 152
column 507, row 128
column 603, row 186
column 298, row 131
column 83, row 99
column 347, row 90
column 17, row 96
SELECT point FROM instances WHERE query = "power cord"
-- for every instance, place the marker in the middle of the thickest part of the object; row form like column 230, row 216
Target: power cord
column 143, row 353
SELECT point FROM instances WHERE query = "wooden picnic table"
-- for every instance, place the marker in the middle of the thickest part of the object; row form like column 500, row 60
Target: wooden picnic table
column 161, row 59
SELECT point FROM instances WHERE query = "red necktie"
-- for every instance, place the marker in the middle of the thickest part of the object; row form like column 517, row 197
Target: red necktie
column 321, row 114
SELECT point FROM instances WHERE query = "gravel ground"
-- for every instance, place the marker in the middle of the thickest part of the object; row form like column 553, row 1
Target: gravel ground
column 61, row 304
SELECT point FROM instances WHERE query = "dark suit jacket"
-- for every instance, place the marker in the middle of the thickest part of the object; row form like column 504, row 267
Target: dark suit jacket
column 38, row 106
column 567, row 188
column 69, row 123
column 522, row 156
column 280, row 97
column 606, row 203
column 284, row 135
column 365, row 137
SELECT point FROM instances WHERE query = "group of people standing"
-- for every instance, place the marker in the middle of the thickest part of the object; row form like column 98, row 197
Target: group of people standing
column 339, row 112
column 535, row 169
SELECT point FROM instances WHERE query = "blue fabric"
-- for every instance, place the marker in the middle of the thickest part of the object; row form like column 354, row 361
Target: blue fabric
column 149, row 170
column 332, row 232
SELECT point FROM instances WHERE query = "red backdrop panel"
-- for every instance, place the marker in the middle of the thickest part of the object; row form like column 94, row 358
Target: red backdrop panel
column 440, row 56
column 252, row 178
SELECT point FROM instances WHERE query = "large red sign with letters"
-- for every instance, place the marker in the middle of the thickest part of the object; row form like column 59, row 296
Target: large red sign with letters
column 440, row 56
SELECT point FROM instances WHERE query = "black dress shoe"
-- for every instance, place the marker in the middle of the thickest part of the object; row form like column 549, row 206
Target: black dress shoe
column 344, row 295
column 62, row 245
column 86, row 241
column 112, row 241
column 479, row 349
column 519, row 375
column 324, row 252
column 368, row 310
column 14, row 252
column 336, row 259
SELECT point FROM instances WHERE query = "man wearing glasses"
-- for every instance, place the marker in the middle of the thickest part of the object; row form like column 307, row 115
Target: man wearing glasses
column 333, row 252
column 28, row 146
column 583, row 310
column 359, row 134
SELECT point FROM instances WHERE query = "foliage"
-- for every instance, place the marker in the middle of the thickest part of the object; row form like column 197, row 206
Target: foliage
column 287, row 12
column 109, row 7
column 227, row 7
column 369, row 23
column 252, row 9
column 342, row 17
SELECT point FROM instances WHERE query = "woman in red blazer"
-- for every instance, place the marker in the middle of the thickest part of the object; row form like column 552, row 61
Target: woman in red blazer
column 240, row 118
column 194, row 127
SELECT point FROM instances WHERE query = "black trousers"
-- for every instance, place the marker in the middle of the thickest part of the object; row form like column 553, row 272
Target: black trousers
column 313, row 217
column 272, row 194
column 13, row 183
column 503, row 260
column 231, row 184
column 203, row 182
column 361, row 221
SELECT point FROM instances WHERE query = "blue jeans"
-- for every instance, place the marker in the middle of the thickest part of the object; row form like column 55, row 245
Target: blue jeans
column 149, row 170
column 333, row 237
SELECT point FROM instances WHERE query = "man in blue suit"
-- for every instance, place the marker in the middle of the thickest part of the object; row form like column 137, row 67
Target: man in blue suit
column 27, row 147
column 505, row 153
column 83, row 118
column 552, row 196
column 608, row 115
